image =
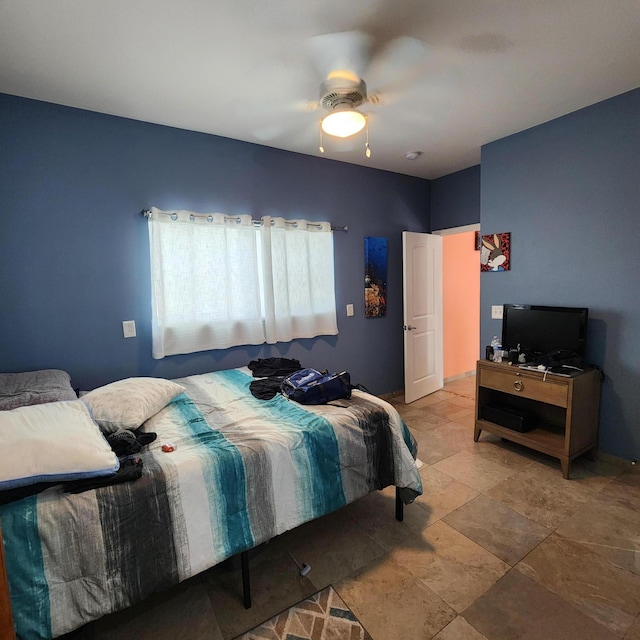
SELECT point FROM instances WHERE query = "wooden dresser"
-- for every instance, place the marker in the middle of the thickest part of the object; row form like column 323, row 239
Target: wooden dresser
column 564, row 410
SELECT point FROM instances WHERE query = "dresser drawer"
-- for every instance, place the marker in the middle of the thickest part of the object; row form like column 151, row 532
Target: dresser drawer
column 551, row 391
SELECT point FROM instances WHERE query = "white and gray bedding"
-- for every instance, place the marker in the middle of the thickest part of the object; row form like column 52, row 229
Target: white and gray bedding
column 243, row 471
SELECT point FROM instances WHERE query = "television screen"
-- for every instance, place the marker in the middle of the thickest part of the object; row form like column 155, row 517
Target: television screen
column 539, row 330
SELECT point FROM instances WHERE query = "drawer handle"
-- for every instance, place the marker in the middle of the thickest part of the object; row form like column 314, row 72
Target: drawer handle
column 517, row 385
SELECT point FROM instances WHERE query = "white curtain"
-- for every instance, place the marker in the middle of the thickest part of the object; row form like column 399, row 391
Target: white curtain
column 297, row 264
column 220, row 281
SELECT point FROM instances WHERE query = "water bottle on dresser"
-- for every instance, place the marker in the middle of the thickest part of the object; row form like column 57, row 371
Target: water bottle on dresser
column 496, row 347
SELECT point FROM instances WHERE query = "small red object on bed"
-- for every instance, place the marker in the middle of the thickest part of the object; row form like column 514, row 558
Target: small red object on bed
column 168, row 447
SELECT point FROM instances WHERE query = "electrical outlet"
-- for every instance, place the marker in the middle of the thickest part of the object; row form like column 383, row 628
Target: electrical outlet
column 349, row 309
column 129, row 328
column 496, row 311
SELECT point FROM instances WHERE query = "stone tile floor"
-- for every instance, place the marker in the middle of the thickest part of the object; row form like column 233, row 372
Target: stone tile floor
column 499, row 547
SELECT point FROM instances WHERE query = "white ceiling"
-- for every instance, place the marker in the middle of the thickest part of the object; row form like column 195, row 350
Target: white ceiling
column 244, row 68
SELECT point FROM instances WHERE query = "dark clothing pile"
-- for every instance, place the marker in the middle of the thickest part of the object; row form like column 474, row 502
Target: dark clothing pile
column 130, row 469
column 266, row 367
column 124, row 443
column 271, row 371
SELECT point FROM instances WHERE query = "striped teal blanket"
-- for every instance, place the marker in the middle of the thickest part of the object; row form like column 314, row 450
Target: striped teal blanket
column 244, row 470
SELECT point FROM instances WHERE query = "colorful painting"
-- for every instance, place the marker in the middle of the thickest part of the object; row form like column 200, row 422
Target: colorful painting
column 375, row 277
column 495, row 253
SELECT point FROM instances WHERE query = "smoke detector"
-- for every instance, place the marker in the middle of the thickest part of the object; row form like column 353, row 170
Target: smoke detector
column 413, row 155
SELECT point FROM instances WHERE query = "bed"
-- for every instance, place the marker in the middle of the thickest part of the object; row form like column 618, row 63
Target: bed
column 242, row 471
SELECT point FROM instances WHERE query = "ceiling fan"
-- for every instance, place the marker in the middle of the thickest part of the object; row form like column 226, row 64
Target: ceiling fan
column 342, row 60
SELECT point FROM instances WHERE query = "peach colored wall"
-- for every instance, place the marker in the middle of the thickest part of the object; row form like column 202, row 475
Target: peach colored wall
column 461, row 300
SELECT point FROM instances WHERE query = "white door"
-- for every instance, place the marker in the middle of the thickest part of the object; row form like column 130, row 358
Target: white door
column 422, row 288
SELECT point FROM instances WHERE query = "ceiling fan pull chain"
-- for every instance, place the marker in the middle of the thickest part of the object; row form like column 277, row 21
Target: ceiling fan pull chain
column 321, row 148
column 367, row 149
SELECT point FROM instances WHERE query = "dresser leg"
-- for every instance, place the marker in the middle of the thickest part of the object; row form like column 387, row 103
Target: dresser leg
column 476, row 433
column 564, row 464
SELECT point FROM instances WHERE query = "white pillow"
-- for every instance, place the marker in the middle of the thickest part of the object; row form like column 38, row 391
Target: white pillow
column 127, row 403
column 52, row 442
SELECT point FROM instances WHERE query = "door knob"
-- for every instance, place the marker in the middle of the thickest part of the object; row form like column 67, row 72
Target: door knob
column 408, row 327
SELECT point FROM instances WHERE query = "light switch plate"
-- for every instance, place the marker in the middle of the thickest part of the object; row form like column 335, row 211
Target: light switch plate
column 496, row 311
column 129, row 328
column 349, row 309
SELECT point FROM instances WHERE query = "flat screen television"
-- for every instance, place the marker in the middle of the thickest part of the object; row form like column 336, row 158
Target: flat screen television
column 538, row 330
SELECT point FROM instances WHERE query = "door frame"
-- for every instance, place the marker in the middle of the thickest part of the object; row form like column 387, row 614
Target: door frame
column 453, row 231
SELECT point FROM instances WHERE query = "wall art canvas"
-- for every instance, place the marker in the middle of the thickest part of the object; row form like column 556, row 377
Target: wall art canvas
column 375, row 277
column 495, row 253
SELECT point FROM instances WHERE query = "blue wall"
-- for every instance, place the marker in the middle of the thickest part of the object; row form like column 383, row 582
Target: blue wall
column 569, row 193
column 74, row 247
column 455, row 199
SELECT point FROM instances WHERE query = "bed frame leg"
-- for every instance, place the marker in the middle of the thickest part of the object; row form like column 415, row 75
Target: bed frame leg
column 246, row 585
column 399, row 507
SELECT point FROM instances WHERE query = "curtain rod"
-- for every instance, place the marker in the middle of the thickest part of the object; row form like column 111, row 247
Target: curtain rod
column 147, row 214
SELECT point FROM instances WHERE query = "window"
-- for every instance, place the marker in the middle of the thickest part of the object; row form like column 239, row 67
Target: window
column 220, row 281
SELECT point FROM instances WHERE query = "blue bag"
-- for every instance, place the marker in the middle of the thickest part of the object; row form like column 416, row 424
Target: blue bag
column 309, row 386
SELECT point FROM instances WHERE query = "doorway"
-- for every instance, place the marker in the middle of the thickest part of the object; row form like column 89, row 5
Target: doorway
column 461, row 301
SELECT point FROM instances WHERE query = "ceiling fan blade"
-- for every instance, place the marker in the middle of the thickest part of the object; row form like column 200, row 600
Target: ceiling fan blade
column 283, row 125
column 278, row 106
column 402, row 60
column 413, row 89
column 269, row 133
column 347, row 51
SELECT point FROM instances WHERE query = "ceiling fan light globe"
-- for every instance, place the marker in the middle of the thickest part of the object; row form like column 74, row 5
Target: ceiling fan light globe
column 343, row 124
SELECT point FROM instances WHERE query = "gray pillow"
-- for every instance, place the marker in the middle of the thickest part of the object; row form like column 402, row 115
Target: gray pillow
column 34, row 387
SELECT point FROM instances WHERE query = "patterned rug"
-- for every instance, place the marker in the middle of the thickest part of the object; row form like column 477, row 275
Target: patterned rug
column 323, row 616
